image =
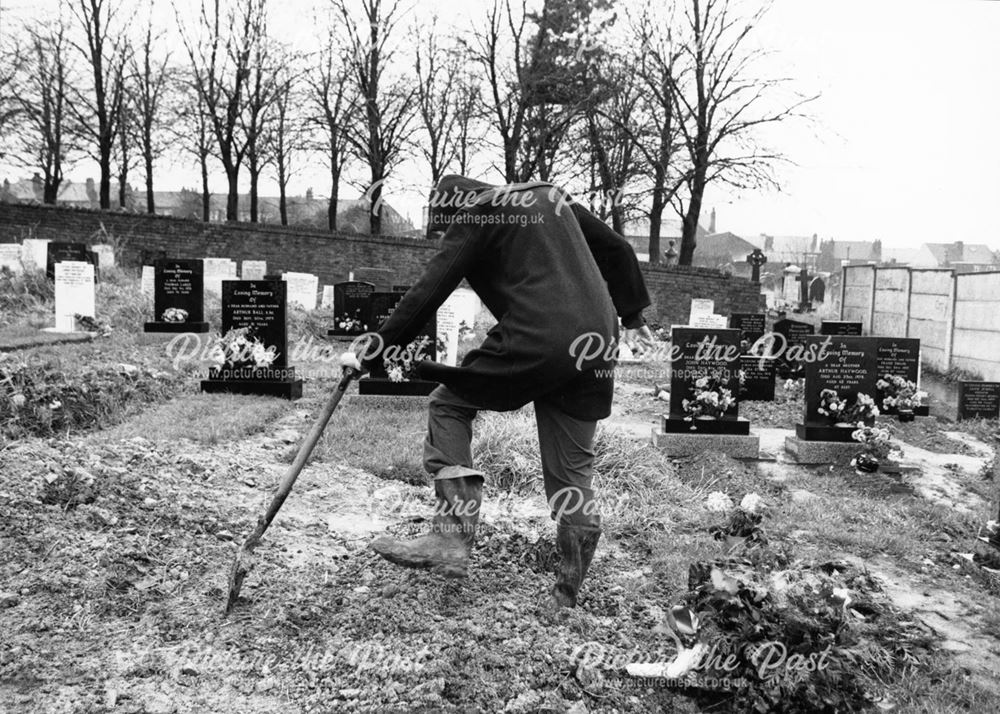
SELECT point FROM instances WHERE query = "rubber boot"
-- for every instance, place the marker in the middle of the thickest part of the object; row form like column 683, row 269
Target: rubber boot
column 445, row 550
column 576, row 545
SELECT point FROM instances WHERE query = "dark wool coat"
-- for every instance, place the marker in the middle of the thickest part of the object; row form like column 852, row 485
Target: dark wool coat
column 551, row 273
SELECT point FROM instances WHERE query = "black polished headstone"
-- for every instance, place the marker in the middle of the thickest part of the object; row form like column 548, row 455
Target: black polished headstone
column 758, row 378
column 750, row 324
column 703, row 352
column 59, row 251
column 793, row 333
column 380, row 306
column 838, row 327
column 978, row 400
column 845, row 364
column 350, row 301
column 178, row 284
column 261, row 306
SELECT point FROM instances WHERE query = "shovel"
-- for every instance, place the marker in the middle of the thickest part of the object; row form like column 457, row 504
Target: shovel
column 244, row 557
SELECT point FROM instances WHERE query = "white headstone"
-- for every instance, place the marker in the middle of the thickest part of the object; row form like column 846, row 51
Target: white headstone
column 34, row 253
column 700, row 308
column 302, row 289
column 447, row 329
column 253, row 269
column 467, row 305
column 74, row 293
column 217, row 270
column 105, row 255
column 327, row 302
column 710, row 322
column 10, row 257
column 149, row 281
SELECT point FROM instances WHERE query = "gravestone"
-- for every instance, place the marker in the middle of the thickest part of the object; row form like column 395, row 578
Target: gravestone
column 978, row 400
column 839, row 327
column 847, row 365
column 758, row 376
column 703, row 353
column 351, row 310
column 149, row 256
column 260, row 306
column 215, row 270
column 302, row 289
column 793, row 338
column 710, row 322
column 10, row 257
column 381, row 278
column 34, row 253
column 148, row 281
column 448, row 327
column 699, row 309
column 178, row 297
column 380, row 307
column 750, row 324
column 326, row 298
column 74, row 293
column 105, row 255
column 817, row 290
column 253, row 269
column 899, row 356
column 59, row 251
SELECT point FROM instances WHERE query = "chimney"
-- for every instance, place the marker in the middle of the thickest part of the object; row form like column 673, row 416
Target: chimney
column 768, row 242
column 711, row 222
column 91, row 191
column 309, row 194
column 815, row 243
column 959, row 251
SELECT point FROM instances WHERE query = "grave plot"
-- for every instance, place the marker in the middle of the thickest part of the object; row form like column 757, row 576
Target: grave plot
column 178, row 297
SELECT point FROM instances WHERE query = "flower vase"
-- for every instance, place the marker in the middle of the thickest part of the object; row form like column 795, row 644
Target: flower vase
column 905, row 415
column 866, row 463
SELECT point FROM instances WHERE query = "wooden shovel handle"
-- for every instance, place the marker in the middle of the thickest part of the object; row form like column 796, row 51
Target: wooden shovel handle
column 305, row 450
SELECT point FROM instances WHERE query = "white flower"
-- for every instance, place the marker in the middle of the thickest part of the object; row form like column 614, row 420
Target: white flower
column 751, row 503
column 395, row 374
column 56, row 404
column 718, row 502
column 701, row 383
column 217, row 356
column 18, row 400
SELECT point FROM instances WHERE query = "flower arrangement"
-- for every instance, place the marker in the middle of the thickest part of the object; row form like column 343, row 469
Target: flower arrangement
column 839, row 410
column 352, row 324
column 875, row 440
column 174, row 314
column 711, row 399
column 742, row 522
column 402, row 366
column 238, row 348
column 899, row 393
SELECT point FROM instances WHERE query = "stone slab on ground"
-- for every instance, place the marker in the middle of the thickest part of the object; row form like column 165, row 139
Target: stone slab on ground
column 737, row 446
column 384, row 401
column 821, row 452
column 40, row 339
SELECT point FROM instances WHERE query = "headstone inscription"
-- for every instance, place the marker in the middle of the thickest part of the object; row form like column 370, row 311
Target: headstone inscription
column 704, row 370
column 381, row 278
column 74, row 293
column 392, row 375
column 10, row 257
column 846, row 365
column 757, row 375
column 34, row 253
column 214, row 271
column 261, row 365
column 978, row 400
column 900, row 357
column 178, row 297
column 788, row 347
column 700, row 308
column 839, row 327
column 750, row 324
column 351, row 309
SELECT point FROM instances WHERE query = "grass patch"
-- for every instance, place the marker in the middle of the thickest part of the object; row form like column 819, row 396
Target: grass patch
column 203, row 418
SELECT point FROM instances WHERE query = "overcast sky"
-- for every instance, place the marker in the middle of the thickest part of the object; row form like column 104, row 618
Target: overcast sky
column 904, row 143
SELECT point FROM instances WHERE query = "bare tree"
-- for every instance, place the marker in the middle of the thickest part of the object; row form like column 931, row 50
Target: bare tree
column 262, row 92
column 98, row 111
column 42, row 93
column 125, row 157
column 333, row 111
column 724, row 104
column 220, row 58
column 387, row 103
column 12, row 57
column 148, row 83
column 437, row 71
column 284, row 137
column 466, row 102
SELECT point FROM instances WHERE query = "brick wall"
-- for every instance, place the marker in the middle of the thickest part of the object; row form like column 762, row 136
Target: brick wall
column 331, row 256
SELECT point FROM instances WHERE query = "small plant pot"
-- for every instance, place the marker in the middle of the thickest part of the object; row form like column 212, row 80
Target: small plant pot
column 906, row 415
column 866, row 463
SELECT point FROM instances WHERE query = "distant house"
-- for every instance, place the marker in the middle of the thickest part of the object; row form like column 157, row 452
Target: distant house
column 961, row 256
column 304, row 211
column 800, row 250
column 833, row 254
